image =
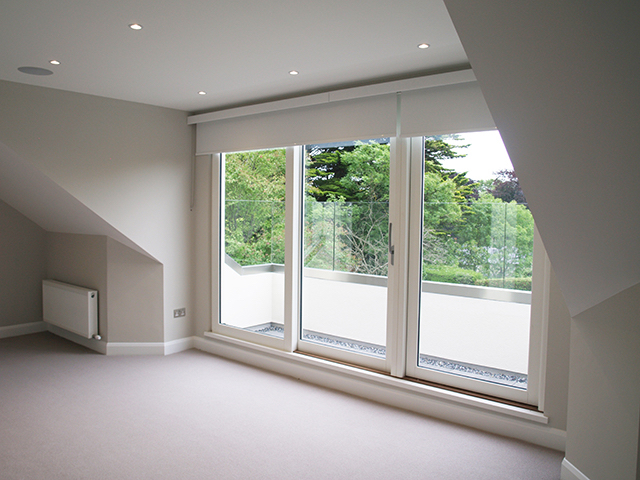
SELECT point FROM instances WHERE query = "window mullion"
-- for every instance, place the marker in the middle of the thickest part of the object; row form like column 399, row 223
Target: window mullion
column 415, row 252
column 293, row 247
column 217, row 234
column 398, row 272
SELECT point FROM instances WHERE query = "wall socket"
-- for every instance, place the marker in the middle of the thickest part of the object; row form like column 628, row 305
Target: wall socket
column 179, row 312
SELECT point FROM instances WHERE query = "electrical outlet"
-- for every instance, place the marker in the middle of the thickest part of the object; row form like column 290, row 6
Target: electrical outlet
column 179, row 312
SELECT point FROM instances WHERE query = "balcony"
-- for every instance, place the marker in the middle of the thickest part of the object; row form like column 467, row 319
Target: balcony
column 475, row 331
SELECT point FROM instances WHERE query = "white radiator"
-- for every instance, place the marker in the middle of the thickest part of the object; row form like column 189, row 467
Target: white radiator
column 70, row 307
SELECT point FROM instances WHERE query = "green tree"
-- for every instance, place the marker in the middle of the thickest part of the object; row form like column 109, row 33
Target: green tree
column 254, row 206
column 507, row 187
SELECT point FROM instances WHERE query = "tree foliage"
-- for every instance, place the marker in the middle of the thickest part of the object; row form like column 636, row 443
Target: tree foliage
column 507, row 188
column 254, row 206
column 473, row 232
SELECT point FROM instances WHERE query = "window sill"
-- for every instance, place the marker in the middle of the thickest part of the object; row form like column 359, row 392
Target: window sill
column 457, row 407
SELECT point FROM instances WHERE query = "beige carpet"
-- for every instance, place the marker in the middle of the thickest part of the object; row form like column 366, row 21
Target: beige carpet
column 69, row 413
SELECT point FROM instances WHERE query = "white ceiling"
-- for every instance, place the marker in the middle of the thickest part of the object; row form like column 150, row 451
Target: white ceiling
column 239, row 52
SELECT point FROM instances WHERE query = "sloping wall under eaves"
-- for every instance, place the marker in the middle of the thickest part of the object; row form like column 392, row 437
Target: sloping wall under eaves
column 560, row 79
column 98, row 166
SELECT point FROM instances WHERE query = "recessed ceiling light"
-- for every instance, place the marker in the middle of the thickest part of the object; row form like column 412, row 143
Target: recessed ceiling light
column 54, row 62
column 293, row 72
column 202, row 92
column 35, row 71
column 135, row 26
column 423, row 45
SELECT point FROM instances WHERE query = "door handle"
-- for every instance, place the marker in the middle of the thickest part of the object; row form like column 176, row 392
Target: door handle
column 392, row 248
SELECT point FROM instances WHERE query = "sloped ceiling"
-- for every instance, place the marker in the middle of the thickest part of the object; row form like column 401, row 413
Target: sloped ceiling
column 36, row 196
column 561, row 81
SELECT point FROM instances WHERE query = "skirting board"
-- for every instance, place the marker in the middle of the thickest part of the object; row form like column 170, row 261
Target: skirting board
column 150, row 348
column 22, row 329
column 126, row 348
column 106, row 348
column 391, row 391
column 569, row 472
column 90, row 343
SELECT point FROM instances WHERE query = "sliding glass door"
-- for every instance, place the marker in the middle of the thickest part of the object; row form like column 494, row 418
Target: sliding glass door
column 345, row 251
column 389, row 254
column 474, row 267
column 252, row 245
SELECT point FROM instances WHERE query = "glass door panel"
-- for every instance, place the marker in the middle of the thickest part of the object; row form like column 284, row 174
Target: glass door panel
column 477, row 251
column 253, row 242
column 345, row 250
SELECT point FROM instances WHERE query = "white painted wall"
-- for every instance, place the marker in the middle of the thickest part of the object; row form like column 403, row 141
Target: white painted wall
column 604, row 389
column 135, row 297
column 22, row 268
column 473, row 330
column 129, row 163
column 202, row 239
column 129, row 284
column 81, row 260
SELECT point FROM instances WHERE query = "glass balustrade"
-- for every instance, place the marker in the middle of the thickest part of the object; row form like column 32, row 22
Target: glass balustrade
column 476, row 280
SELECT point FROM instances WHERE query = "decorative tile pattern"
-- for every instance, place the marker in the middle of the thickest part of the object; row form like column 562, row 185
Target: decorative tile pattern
column 487, row 374
column 493, row 375
column 273, row 329
column 345, row 344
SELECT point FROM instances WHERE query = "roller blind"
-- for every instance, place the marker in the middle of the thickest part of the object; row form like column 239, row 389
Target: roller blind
column 437, row 109
column 360, row 118
column 447, row 109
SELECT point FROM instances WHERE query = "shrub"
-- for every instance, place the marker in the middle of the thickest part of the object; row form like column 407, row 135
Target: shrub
column 513, row 283
column 451, row 274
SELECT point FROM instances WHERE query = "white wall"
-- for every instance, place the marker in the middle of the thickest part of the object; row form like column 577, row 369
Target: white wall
column 135, row 303
column 22, row 268
column 129, row 163
column 129, row 283
column 202, row 258
column 557, row 357
column 604, row 389
column 80, row 260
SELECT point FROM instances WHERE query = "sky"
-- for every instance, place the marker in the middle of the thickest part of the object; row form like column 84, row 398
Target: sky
column 484, row 156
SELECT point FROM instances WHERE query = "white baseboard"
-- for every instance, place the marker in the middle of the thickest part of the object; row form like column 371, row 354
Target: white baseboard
column 179, row 345
column 95, row 345
column 462, row 409
column 106, row 348
column 150, row 348
column 22, row 329
column 569, row 472
column 135, row 348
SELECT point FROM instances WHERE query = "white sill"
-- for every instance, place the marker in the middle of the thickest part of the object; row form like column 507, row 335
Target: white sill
column 382, row 380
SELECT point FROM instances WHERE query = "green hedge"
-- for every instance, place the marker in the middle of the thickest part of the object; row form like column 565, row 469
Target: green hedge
column 450, row 274
column 462, row 276
column 513, row 283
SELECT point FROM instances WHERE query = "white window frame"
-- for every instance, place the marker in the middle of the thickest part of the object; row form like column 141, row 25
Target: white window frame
column 394, row 302
column 538, row 316
column 403, row 291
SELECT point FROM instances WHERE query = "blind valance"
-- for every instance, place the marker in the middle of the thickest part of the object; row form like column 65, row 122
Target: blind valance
column 433, row 105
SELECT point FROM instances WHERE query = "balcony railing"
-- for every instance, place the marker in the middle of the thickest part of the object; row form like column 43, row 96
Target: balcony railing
column 482, row 244
column 346, row 243
column 498, row 354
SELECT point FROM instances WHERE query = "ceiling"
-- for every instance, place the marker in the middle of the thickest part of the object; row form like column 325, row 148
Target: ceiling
column 238, row 52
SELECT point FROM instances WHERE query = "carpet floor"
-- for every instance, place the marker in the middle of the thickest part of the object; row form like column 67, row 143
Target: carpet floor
column 69, row 413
